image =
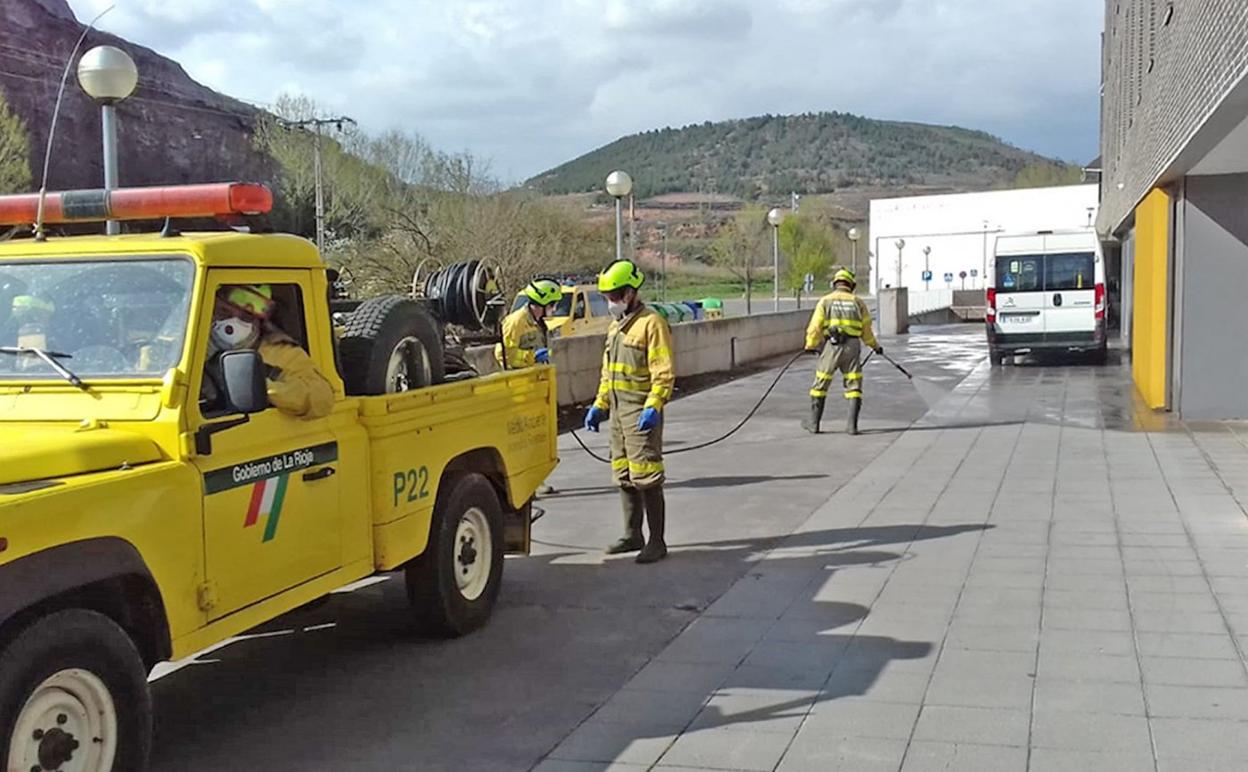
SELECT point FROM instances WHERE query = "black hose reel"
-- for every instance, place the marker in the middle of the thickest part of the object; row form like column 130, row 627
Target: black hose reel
column 465, row 294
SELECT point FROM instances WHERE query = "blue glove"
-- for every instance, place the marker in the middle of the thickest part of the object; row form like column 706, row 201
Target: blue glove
column 594, row 417
column 542, row 355
column 649, row 419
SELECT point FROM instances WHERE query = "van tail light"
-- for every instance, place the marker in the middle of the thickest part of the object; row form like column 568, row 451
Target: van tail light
column 990, row 312
column 1100, row 301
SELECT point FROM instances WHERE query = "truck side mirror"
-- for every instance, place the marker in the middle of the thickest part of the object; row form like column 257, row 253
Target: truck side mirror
column 243, row 374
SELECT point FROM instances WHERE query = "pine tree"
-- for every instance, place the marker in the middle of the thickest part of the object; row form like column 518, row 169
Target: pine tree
column 14, row 151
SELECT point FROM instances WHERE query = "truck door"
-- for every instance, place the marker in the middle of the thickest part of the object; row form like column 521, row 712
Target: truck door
column 1020, row 297
column 1070, row 292
column 271, row 492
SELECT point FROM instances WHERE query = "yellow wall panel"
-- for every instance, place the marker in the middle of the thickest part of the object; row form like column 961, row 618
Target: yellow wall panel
column 1150, row 318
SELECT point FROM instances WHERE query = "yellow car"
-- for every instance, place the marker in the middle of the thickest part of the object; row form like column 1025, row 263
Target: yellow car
column 583, row 311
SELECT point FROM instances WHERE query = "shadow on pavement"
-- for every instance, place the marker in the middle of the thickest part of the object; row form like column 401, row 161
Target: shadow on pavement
column 351, row 685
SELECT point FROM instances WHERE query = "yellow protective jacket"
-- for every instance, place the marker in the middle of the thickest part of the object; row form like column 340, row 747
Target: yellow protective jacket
column 637, row 365
column 843, row 310
column 295, row 385
column 522, row 337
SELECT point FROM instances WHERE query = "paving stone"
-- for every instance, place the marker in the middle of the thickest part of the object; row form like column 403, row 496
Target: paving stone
column 561, row 765
column 1065, row 760
column 728, row 748
column 1188, row 671
column 604, row 741
column 887, row 686
column 1178, row 621
column 862, row 718
column 1088, row 667
column 1197, row 702
column 680, row 677
column 1058, row 695
column 1120, row 643
column 925, row 756
column 815, row 752
column 754, row 713
column 1090, row 731
column 1201, row 738
column 1086, row 619
column 1198, row 602
column 992, row 638
column 984, row 726
column 1194, row 645
column 654, row 711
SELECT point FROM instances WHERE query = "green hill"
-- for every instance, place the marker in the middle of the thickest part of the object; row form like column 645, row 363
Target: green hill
column 811, row 153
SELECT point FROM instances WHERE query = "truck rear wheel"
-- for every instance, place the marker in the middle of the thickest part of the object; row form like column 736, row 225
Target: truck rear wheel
column 390, row 345
column 453, row 585
column 73, row 696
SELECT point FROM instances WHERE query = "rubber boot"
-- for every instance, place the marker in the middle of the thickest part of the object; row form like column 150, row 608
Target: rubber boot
column 851, row 421
column 656, row 518
column 816, row 415
column 634, row 509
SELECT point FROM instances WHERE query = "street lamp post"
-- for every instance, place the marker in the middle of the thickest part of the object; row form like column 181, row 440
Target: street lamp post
column 619, row 185
column 662, row 226
column 775, row 217
column 854, row 234
column 108, row 75
column 984, row 268
column 901, row 244
column 927, row 267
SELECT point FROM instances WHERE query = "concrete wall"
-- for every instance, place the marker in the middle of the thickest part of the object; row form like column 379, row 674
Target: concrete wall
column 710, row 346
column 1213, row 364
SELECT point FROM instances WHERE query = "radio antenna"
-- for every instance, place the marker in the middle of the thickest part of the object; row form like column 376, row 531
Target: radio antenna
column 56, row 112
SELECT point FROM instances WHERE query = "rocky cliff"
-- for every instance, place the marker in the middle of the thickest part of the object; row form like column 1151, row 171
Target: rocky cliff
column 171, row 130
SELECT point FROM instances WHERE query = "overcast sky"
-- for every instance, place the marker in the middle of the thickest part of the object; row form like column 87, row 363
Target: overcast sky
column 529, row 84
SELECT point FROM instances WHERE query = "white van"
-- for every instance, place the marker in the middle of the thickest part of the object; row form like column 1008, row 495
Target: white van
column 1046, row 293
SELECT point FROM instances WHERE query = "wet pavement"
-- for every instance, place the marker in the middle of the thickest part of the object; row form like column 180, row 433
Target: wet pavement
column 1021, row 571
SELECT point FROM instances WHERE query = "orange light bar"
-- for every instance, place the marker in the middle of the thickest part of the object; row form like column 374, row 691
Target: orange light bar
column 220, row 199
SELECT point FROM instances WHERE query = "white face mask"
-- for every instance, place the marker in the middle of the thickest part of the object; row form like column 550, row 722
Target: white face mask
column 618, row 310
column 234, row 333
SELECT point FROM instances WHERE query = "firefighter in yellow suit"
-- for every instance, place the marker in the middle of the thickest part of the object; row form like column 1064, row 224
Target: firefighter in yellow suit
column 242, row 319
column 837, row 330
column 637, row 382
column 525, row 342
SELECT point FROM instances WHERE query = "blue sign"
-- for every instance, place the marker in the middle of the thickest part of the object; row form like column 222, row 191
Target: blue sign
column 974, row 272
column 927, row 276
column 948, row 277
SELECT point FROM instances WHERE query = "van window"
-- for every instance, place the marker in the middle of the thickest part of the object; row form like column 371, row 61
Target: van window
column 1071, row 271
column 598, row 304
column 1020, row 273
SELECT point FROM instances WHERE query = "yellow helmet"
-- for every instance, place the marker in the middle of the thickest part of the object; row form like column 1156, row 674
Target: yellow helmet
column 543, row 292
column 620, row 274
column 253, row 299
column 844, row 276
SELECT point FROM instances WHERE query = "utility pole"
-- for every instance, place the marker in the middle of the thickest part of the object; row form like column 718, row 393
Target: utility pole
column 316, row 125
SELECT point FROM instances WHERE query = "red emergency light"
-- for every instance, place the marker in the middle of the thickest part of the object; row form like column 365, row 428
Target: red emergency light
column 219, row 199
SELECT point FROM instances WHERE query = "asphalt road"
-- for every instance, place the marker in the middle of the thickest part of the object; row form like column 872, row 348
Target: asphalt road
column 350, row 685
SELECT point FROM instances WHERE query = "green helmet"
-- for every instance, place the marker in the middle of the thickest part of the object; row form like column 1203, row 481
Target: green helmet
column 620, row 274
column 844, row 275
column 253, row 299
column 543, row 292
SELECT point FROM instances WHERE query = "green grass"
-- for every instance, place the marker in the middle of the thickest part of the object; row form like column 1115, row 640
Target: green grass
column 691, row 288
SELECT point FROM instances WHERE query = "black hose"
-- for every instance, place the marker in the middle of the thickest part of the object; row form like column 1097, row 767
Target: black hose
column 720, row 439
column 463, row 300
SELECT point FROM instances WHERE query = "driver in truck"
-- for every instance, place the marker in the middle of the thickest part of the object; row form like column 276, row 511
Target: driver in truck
column 243, row 319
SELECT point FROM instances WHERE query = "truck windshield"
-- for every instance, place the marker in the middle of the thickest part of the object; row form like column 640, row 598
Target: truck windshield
column 106, row 318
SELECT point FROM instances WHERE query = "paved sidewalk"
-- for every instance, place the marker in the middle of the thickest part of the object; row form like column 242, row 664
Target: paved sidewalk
column 1056, row 583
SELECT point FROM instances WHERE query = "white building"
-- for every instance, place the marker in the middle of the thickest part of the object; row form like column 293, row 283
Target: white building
column 960, row 229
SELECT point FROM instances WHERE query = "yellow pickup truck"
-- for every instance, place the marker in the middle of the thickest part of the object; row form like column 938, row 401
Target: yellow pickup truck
column 137, row 525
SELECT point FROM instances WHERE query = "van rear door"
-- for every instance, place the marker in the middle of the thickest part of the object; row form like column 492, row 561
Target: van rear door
column 1070, row 292
column 1020, row 296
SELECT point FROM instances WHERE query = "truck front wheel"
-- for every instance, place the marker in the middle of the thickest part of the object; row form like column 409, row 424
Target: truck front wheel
column 453, row 585
column 73, row 695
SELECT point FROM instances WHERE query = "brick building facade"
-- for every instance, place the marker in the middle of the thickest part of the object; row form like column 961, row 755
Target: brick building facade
column 1174, row 195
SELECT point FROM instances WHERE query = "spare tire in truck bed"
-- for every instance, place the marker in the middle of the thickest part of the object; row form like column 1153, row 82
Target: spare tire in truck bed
column 390, row 344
